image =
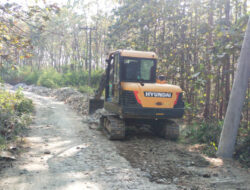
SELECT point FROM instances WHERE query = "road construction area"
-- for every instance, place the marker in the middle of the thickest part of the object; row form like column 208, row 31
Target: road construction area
column 64, row 149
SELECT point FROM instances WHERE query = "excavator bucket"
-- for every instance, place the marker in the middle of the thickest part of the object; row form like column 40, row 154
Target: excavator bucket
column 95, row 104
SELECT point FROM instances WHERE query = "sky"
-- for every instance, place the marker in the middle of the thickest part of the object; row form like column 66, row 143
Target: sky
column 104, row 5
column 41, row 2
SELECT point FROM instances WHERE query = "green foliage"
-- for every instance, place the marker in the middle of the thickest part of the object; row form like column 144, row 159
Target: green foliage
column 86, row 89
column 29, row 76
column 80, row 78
column 204, row 132
column 242, row 152
column 46, row 82
column 18, row 24
column 96, row 77
column 24, row 106
column 210, row 149
column 207, row 133
column 10, row 76
column 15, row 112
column 51, row 78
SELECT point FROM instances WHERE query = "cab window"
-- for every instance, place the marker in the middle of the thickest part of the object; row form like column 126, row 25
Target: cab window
column 139, row 70
column 116, row 67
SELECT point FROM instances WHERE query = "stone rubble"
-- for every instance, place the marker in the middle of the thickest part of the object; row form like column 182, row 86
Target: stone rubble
column 75, row 99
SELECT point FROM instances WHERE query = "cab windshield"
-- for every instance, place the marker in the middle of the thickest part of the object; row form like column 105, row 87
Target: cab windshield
column 139, row 70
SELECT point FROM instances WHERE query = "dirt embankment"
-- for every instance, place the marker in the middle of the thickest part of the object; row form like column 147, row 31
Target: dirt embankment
column 59, row 140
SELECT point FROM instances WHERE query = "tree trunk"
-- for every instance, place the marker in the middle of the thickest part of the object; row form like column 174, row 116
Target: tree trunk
column 227, row 58
column 236, row 101
column 206, row 112
column 245, row 7
column 86, row 50
column 90, row 59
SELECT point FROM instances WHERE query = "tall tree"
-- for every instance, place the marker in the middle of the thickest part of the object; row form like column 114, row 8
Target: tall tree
column 208, row 64
column 237, row 97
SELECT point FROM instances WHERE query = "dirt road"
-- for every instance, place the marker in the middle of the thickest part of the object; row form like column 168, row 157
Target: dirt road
column 167, row 162
column 63, row 153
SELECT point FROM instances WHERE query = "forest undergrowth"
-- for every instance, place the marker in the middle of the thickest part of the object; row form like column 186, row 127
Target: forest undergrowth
column 51, row 78
column 207, row 134
column 15, row 116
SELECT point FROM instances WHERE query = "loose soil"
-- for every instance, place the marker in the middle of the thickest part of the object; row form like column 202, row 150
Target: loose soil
column 167, row 162
column 65, row 150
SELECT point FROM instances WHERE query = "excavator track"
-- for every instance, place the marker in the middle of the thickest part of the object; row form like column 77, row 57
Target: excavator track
column 113, row 127
column 171, row 130
column 167, row 129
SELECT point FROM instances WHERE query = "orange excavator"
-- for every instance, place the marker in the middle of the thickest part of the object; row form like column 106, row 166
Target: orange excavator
column 134, row 95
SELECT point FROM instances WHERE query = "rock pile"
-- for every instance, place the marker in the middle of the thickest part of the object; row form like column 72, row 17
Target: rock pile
column 5, row 86
column 62, row 94
column 94, row 118
column 40, row 90
column 75, row 99
column 78, row 103
column 43, row 91
column 20, row 85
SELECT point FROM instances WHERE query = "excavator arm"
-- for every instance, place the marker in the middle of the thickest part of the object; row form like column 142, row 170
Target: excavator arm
column 101, row 87
column 96, row 102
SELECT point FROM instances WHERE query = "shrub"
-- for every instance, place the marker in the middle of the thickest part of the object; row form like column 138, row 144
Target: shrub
column 96, row 77
column 210, row 149
column 24, row 106
column 32, row 77
column 15, row 112
column 207, row 133
column 50, row 78
column 86, row 89
column 204, row 132
column 46, row 82
column 72, row 79
column 11, row 76
column 242, row 151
